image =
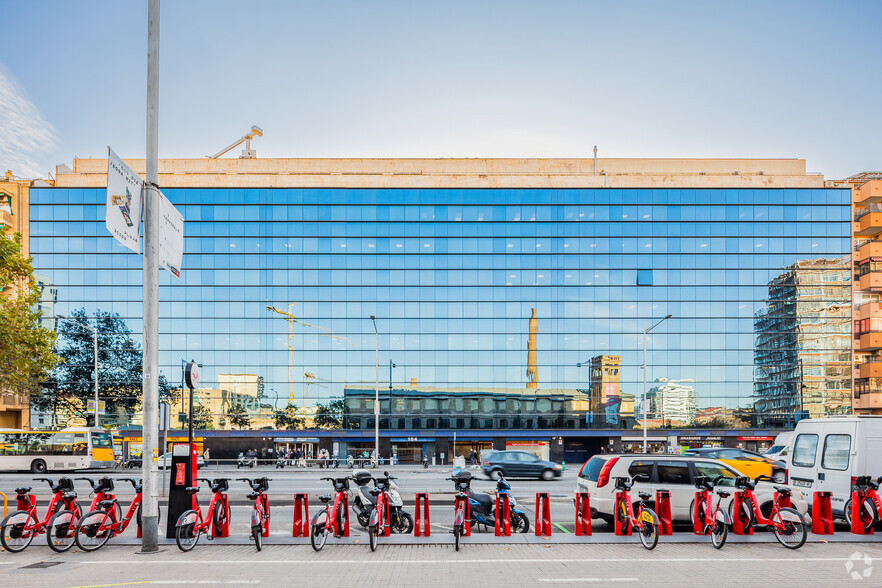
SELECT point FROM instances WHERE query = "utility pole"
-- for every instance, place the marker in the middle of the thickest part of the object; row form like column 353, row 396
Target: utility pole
column 150, row 432
column 391, row 365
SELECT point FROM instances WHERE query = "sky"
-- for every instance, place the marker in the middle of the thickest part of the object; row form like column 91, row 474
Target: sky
column 446, row 79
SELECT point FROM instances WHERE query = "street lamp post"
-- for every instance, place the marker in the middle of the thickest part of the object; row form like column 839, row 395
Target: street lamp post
column 646, row 332
column 377, row 395
column 391, row 365
column 95, row 341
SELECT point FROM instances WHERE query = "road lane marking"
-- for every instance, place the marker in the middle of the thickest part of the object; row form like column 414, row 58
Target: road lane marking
column 589, row 580
column 325, row 562
column 561, row 527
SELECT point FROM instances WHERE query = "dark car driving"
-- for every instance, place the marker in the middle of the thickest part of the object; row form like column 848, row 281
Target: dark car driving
column 513, row 464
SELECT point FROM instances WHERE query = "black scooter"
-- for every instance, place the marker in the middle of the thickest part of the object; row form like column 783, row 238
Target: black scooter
column 482, row 506
column 363, row 501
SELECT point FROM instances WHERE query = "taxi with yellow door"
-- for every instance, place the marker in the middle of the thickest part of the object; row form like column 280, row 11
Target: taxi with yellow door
column 749, row 463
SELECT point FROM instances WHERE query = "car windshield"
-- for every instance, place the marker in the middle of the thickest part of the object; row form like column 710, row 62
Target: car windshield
column 774, row 449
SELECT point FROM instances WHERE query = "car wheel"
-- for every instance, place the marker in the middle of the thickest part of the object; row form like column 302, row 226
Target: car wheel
column 547, row 475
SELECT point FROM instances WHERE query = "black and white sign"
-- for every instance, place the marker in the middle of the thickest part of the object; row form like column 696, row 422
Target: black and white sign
column 171, row 237
column 122, row 214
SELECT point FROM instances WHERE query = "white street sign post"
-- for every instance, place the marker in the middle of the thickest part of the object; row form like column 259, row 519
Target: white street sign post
column 122, row 214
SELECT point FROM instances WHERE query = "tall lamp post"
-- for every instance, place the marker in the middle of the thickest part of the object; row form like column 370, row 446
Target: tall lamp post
column 95, row 341
column 646, row 332
column 391, row 365
column 377, row 395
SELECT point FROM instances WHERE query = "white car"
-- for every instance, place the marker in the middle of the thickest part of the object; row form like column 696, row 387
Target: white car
column 675, row 473
column 166, row 460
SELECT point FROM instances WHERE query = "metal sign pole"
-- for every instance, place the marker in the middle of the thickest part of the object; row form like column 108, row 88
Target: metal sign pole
column 150, row 428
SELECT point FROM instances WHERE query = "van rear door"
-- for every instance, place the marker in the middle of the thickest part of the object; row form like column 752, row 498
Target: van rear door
column 835, row 462
column 804, row 459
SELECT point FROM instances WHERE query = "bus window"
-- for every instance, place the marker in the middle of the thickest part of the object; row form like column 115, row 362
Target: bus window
column 38, row 444
column 13, row 444
column 62, row 443
column 80, row 444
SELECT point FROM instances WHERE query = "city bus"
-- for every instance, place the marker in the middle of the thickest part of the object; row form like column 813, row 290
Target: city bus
column 74, row 448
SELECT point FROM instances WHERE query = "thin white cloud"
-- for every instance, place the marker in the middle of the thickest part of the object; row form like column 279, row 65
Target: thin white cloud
column 25, row 135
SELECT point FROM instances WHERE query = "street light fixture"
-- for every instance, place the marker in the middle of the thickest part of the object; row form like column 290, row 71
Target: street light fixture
column 95, row 341
column 377, row 395
column 645, row 332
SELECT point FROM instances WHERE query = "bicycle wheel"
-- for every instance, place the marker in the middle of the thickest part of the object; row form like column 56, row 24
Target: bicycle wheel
column 648, row 530
column 719, row 534
column 318, row 530
column 373, row 534
column 457, row 533
column 789, row 527
column 61, row 531
column 868, row 513
column 93, row 530
column 17, row 531
column 257, row 534
column 188, row 529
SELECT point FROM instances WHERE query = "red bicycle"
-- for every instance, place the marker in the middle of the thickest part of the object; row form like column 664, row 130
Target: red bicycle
column 713, row 521
column 461, row 516
column 645, row 522
column 191, row 525
column 787, row 523
column 260, row 516
column 19, row 528
column 330, row 520
column 99, row 525
column 870, row 506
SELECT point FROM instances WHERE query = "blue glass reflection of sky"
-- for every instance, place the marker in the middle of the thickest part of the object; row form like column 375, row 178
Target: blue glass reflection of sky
column 452, row 276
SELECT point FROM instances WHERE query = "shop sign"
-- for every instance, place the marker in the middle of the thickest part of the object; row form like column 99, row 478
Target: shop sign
column 699, row 438
column 517, row 443
column 306, row 439
column 756, row 438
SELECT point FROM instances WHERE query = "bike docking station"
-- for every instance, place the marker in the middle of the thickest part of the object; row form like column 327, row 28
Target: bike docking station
column 663, row 510
column 503, row 512
column 386, row 522
column 301, row 515
column 822, row 513
column 466, row 524
column 740, row 519
column 183, row 467
column 861, row 520
column 543, row 514
column 418, row 530
column 622, row 528
column 583, row 514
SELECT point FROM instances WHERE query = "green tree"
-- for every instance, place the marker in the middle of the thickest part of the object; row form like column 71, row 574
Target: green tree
column 202, row 417
column 288, row 418
column 238, row 417
column 26, row 356
column 330, row 415
column 119, row 368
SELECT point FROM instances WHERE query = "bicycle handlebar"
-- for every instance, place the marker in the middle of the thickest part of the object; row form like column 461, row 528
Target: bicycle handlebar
column 89, row 480
column 131, row 481
column 47, row 480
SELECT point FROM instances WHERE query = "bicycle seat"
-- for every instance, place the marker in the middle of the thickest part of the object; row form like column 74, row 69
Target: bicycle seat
column 69, row 496
column 192, row 489
column 723, row 493
column 107, row 503
column 252, row 495
column 644, row 495
column 325, row 497
column 783, row 490
column 23, row 490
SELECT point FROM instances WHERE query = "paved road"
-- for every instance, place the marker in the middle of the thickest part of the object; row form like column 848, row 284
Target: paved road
column 476, row 565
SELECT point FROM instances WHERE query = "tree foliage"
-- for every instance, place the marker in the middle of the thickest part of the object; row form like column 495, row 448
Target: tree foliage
column 288, row 418
column 202, row 417
column 238, row 416
column 26, row 355
column 330, row 415
column 119, row 368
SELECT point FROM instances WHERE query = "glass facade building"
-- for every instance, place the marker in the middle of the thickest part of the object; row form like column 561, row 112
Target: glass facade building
column 453, row 277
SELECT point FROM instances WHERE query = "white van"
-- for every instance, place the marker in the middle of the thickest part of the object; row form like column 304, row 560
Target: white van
column 781, row 448
column 829, row 453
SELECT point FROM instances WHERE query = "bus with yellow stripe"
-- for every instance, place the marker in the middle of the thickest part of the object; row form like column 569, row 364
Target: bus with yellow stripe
column 73, row 448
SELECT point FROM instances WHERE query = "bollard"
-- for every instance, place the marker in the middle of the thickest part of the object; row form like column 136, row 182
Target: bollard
column 224, row 531
column 622, row 527
column 301, row 515
column 663, row 510
column 740, row 519
column 419, row 531
column 503, row 512
column 583, row 514
column 822, row 513
column 860, row 519
column 543, row 514
column 25, row 501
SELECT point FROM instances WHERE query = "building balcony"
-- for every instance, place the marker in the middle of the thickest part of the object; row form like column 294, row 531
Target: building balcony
column 14, row 402
column 6, row 220
column 868, row 310
column 870, row 342
column 869, row 193
column 870, row 250
column 870, row 369
column 871, row 281
column 869, row 224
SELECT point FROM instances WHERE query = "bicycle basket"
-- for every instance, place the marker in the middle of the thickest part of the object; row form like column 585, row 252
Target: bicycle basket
column 341, row 485
column 105, row 484
column 65, row 484
column 220, row 486
column 262, row 484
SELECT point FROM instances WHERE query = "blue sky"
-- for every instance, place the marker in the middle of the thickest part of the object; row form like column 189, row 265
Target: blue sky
column 447, row 79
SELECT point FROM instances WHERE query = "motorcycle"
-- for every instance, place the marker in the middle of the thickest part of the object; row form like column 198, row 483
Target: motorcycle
column 425, row 462
column 245, row 462
column 363, row 503
column 482, row 506
column 281, row 461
